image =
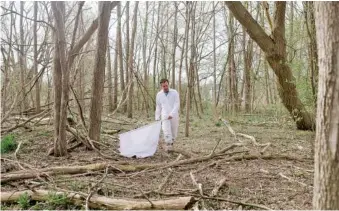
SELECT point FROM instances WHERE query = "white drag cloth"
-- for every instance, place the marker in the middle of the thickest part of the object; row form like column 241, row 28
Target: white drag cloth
column 141, row 142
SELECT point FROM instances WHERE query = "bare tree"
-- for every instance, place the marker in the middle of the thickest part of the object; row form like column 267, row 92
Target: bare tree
column 127, row 46
column 274, row 47
column 22, row 59
column 326, row 180
column 190, row 75
column 174, row 43
column 99, row 71
column 130, row 61
column 232, row 78
column 312, row 46
column 60, row 80
column 144, row 52
column 109, row 79
column 120, row 53
column 35, row 45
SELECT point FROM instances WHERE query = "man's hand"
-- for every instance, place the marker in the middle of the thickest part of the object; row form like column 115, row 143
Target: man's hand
column 170, row 117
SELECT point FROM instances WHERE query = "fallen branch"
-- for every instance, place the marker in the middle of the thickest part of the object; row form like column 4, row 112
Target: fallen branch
column 100, row 202
column 292, row 180
column 217, row 187
column 91, row 191
column 126, row 167
column 234, row 202
column 24, row 123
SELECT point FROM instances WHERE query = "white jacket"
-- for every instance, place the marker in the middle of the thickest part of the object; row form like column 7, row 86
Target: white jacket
column 167, row 105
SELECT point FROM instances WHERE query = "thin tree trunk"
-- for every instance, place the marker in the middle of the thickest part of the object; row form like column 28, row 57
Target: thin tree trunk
column 174, row 44
column 156, row 49
column 144, row 47
column 35, row 45
column 22, row 59
column 232, row 84
column 109, row 79
column 312, row 46
column 130, row 62
column 183, row 54
column 214, row 101
column 99, row 71
column 115, row 76
column 60, row 77
column 326, row 166
column 127, row 54
column 120, row 53
column 274, row 47
column 190, row 77
column 267, row 84
column 7, row 68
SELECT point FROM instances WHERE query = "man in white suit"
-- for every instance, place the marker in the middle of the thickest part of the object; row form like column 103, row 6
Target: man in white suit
column 167, row 110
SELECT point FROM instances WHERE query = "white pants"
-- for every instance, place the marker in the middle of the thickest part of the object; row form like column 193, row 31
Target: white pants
column 170, row 129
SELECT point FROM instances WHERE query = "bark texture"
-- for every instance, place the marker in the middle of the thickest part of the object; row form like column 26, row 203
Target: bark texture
column 99, row 71
column 326, row 173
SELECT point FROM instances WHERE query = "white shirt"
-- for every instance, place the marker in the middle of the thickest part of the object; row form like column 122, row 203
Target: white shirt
column 167, row 105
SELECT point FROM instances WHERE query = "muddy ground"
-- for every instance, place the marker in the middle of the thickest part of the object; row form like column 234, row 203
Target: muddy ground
column 257, row 181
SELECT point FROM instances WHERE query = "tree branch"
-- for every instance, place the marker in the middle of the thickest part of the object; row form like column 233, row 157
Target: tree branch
column 253, row 29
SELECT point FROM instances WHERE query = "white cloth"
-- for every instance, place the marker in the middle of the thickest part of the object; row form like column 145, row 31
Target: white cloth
column 141, row 142
column 168, row 105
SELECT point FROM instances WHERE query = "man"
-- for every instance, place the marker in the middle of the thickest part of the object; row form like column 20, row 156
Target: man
column 167, row 110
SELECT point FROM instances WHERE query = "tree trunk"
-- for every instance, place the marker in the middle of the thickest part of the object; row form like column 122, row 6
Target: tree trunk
column 144, row 52
column 232, row 83
column 7, row 68
column 326, row 179
column 127, row 54
column 109, row 79
column 99, row 71
column 174, row 43
column 312, row 46
column 22, row 60
column 183, row 56
column 61, row 78
column 37, row 84
column 248, row 56
column 130, row 62
column 191, row 68
column 120, row 52
column 156, row 49
column 214, row 91
column 274, row 47
column 115, row 76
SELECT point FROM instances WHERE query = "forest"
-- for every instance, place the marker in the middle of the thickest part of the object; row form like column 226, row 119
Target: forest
column 258, row 115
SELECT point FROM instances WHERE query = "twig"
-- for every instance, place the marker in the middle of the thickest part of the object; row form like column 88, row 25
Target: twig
column 265, row 148
column 24, row 123
column 215, row 147
column 161, row 186
column 16, row 158
column 217, row 187
column 292, row 180
column 91, row 191
column 199, row 187
column 233, row 201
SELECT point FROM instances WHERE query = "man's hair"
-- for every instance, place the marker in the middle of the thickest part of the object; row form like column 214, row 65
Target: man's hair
column 164, row 80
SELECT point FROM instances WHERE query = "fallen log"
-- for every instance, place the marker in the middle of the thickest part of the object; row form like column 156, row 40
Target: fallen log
column 127, row 167
column 100, row 202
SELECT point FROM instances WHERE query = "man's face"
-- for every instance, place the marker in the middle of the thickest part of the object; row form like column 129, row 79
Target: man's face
column 164, row 86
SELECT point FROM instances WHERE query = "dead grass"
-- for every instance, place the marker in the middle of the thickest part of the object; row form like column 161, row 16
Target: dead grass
column 253, row 181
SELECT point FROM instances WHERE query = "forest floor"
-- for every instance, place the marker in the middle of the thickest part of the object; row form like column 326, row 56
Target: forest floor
column 276, row 183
